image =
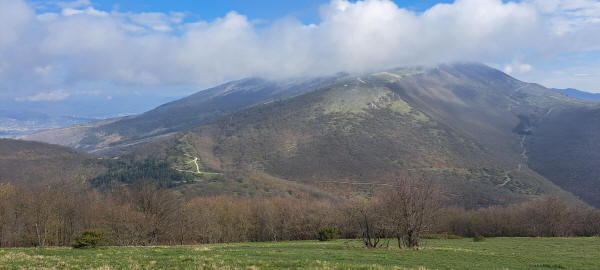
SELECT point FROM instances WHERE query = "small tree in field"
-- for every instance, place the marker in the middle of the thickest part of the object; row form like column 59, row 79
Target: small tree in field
column 410, row 206
column 88, row 239
column 368, row 216
column 328, row 233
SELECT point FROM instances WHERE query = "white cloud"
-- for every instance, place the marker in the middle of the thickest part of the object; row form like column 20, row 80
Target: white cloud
column 83, row 44
column 14, row 17
column 88, row 11
column 516, row 68
column 56, row 95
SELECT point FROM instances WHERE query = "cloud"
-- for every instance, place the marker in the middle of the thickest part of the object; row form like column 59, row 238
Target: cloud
column 56, row 95
column 516, row 68
column 81, row 44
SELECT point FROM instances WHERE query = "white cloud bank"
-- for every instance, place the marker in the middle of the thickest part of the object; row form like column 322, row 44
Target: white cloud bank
column 83, row 44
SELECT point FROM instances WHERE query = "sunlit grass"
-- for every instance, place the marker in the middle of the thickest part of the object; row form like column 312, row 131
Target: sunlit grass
column 494, row 253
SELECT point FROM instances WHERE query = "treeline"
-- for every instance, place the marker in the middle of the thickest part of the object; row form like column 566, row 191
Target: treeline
column 144, row 214
column 546, row 216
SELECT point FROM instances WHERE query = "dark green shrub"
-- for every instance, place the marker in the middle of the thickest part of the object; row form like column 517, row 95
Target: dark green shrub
column 328, row 233
column 478, row 238
column 88, row 239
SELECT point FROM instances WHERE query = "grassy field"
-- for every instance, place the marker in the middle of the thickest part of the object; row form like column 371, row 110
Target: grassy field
column 493, row 253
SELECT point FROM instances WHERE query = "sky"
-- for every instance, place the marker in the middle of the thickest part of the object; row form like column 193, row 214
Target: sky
column 58, row 50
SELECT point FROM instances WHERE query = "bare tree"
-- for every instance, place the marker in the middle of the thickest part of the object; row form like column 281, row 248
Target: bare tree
column 410, row 206
column 159, row 206
column 370, row 218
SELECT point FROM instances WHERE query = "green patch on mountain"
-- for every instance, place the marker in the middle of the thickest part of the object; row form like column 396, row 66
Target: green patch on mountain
column 126, row 172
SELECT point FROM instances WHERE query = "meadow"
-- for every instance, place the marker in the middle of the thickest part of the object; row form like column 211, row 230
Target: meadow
column 493, row 253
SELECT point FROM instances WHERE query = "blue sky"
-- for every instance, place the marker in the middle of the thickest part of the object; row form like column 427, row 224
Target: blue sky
column 306, row 10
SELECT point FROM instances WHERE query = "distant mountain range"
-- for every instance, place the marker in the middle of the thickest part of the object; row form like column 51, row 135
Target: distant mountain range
column 574, row 93
column 485, row 137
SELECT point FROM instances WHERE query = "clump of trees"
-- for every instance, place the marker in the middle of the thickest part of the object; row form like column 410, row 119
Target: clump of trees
column 146, row 214
column 403, row 210
column 410, row 207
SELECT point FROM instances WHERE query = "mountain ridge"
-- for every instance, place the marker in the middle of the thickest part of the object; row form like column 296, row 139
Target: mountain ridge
column 472, row 129
column 450, row 122
column 112, row 137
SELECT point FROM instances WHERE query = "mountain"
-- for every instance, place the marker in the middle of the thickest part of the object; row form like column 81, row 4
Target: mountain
column 485, row 137
column 574, row 93
column 466, row 126
column 114, row 136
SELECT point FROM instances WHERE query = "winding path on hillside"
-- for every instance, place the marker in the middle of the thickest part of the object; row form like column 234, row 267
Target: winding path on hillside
column 196, row 163
column 197, row 171
column 524, row 156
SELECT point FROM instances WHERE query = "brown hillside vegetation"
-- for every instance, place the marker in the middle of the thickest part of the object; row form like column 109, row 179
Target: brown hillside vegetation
column 34, row 163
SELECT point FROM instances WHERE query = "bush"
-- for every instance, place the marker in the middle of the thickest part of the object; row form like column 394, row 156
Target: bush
column 478, row 238
column 88, row 239
column 328, row 233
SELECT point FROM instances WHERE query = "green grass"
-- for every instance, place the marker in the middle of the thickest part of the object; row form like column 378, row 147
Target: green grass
column 494, row 253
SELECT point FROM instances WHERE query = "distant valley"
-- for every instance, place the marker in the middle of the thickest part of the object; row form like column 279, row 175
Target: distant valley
column 23, row 117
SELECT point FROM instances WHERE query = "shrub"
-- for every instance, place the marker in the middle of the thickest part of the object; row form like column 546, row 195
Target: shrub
column 328, row 233
column 478, row 238
column 88, row 239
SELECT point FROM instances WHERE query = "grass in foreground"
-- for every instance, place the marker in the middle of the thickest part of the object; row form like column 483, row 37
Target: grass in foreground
column 494, row 253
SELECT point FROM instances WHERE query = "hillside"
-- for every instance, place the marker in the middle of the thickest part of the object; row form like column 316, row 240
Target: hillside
column 464, row 125
column 33, row 163
column 28, row 163
column 565, row 148
column 115, row 136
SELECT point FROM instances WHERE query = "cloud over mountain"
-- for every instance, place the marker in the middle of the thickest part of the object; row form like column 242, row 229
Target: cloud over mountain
column 41, row 51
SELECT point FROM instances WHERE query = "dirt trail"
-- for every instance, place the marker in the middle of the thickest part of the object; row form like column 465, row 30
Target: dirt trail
column 524, row 157
column 196, row 162
column 508, row 179
column 197, row 171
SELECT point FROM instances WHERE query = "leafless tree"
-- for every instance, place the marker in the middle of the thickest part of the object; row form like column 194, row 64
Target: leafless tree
column 410, row 205
column 370, row 219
